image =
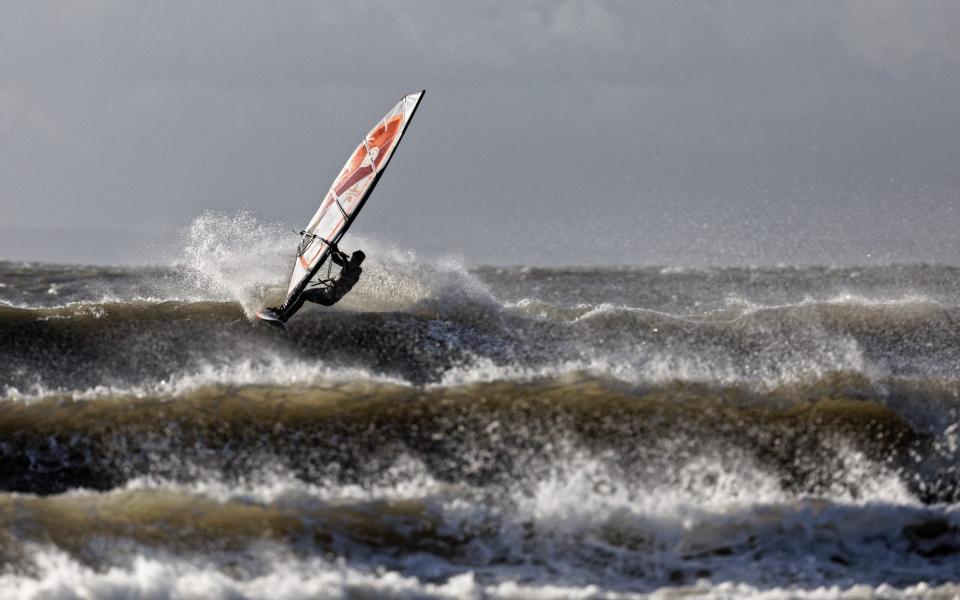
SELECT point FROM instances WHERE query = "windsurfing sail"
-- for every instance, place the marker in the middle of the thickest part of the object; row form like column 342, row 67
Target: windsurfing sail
column 349, row 192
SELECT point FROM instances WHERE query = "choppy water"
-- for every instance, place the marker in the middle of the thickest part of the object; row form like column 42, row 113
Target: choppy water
column 452, row 432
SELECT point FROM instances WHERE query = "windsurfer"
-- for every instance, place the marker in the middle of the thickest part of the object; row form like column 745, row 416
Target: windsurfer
column 328, row 292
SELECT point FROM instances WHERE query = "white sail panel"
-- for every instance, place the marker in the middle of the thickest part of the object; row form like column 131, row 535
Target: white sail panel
column 356, row 176
column 349, row 191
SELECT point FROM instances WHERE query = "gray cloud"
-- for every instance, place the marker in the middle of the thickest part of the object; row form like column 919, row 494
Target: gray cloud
column 658, row 132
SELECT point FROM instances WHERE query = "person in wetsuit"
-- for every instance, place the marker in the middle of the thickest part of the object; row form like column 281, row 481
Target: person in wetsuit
column 330, row 294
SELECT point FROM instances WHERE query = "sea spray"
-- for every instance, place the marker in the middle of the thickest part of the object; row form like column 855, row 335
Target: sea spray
column 236, row 257
column 481, row 431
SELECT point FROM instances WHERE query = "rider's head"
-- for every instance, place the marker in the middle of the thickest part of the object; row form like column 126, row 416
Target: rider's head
column 357, row 257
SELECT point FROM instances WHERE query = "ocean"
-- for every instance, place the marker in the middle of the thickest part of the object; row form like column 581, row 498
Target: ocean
column 453, row 431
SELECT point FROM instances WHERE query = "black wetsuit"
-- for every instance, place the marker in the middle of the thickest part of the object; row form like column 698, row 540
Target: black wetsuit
column 327, row 296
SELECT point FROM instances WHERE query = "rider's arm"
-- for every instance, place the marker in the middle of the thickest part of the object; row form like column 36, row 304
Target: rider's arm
column 338, row 257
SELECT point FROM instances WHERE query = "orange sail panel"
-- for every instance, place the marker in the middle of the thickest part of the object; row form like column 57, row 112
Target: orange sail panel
column 349, row 191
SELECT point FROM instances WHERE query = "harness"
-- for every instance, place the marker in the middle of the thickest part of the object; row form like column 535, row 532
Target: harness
column 328, row 281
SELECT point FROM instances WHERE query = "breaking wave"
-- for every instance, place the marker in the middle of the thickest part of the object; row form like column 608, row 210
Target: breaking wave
column 148, row 343
column 489, row 432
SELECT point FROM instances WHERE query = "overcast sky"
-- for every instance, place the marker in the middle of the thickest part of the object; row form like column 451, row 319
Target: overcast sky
column 552, row 132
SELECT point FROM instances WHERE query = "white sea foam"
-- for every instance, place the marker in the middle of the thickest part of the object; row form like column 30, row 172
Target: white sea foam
column 267, row 369
column 745, row 307
column 571, row 487
column 287, row 578
column 645, row 365
column 157, row 576
column 574, row 492
column 578, row 511
column 406, row 478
